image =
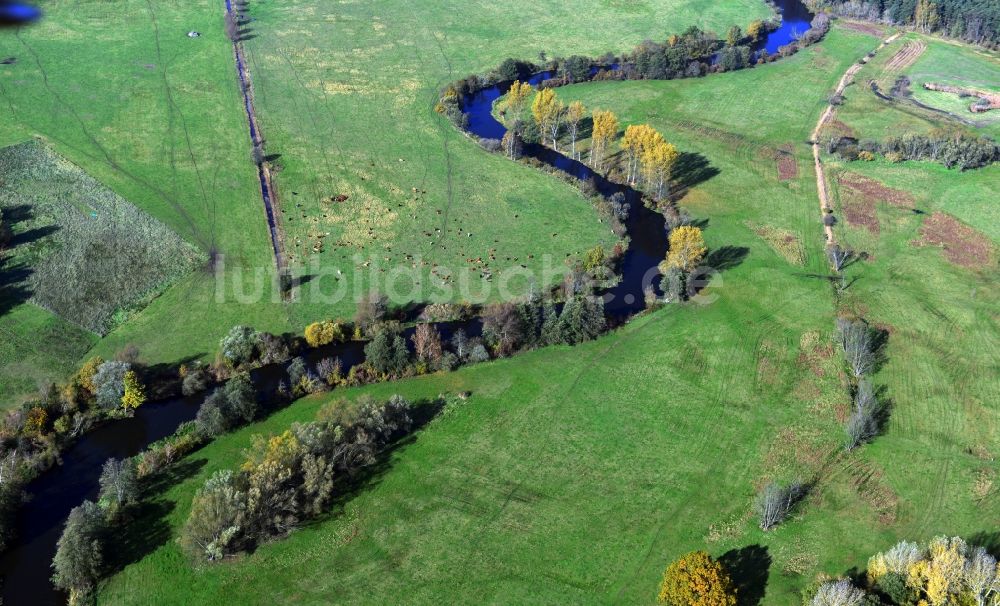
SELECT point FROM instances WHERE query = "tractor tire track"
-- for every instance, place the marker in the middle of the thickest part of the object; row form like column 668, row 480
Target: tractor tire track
column 173, row 108
column 181, row 212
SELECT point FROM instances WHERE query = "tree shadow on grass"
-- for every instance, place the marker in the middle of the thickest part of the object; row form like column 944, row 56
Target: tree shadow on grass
column 13, row 285
column 143, row 527
column 692, row 169
column 348, row 487
column 748, row 567
column 726, row 257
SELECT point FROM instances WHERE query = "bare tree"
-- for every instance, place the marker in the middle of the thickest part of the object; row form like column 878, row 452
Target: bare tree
column 838, row 593
column 858, row 341
column 427, row 343
column 775, row 502
column 372, row 309
column 864, row 422
column 981, row 577
column 838, row 256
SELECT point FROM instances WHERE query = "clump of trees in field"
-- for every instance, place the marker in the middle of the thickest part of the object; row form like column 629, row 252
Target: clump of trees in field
column 947, row 571
column 697, row 579
column 290, row 477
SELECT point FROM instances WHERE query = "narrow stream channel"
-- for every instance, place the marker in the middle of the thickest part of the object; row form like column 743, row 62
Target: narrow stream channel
column 26, row 565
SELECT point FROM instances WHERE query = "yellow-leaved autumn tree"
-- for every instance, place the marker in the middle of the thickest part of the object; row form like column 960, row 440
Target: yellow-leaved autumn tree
column 605, row 130
column 687, row 249
column 516, row 97
column 697, row 580
column 135, row 393
column 85, row 376
column 323, row 333
column 637, row 139
column 548, row 112
column 658, row 166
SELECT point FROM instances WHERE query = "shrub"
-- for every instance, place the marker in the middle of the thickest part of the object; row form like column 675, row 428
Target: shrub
column 195, row 381
column 229, row 406
column 839, row 593
column 240, row 346
column 109, row 384
column 387, row 352
column 696, row 579
column 215, row 520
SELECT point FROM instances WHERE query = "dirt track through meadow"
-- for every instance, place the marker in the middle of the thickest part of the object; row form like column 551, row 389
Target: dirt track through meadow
column 824, row 195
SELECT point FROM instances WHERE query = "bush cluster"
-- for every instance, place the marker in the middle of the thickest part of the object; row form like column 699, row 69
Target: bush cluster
column 289, row 477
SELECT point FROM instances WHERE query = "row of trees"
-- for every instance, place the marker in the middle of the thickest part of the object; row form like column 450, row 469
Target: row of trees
column 289, row 477
column 952, row 148
column 948, row 571
column 976, row 21
column 649, row 159
column 861, row 348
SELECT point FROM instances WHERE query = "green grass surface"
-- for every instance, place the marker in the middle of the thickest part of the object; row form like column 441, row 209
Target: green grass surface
column 942, row 62
column 574, row 475
column 345, row 92
column 36, row 348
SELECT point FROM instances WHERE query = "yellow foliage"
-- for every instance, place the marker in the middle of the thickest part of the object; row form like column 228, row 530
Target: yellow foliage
column 605, row 129
column 687, row 249
column 755, row 29
column 517, row 95
column 36, row 420
column 547, row 110
column 85, row 377
column 135, row 393
column 697, row 580
column 323, row 333
column 877, row 567
column 575, row 112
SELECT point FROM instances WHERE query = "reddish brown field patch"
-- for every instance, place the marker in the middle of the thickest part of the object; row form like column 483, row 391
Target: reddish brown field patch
column 859, row 211
column 864, row 28
column 962, row 245
column 788, row 167
column 875, row 191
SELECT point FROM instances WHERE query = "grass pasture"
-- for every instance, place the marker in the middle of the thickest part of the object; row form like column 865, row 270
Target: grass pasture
column 345, row 96
column 574, row 475
column 922, row 59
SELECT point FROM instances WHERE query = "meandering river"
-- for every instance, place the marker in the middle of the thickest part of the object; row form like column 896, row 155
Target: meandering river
column 26, row 565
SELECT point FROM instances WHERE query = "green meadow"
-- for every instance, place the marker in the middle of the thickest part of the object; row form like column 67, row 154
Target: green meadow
column 344, row 95
column 575, row 475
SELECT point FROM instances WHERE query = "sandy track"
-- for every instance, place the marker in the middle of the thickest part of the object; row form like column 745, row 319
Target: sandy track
column 824, row 194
